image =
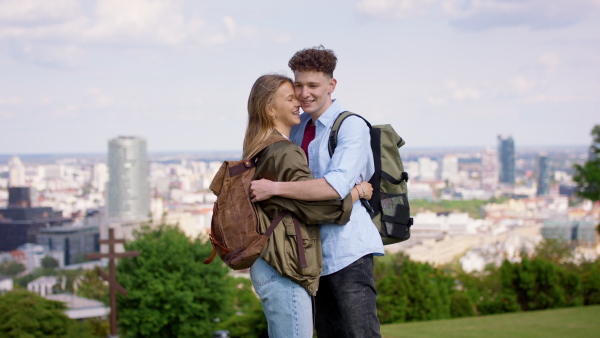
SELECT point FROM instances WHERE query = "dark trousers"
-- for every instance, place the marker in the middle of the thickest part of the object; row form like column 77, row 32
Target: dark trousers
column 346, row 302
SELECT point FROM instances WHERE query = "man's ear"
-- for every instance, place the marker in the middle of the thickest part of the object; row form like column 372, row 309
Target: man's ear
column 332, row 84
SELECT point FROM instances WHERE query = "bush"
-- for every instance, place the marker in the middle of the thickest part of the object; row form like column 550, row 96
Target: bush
column 506, row 302
column 540, row 284
column 411, row 291
column 461, row 305
column 590, row 281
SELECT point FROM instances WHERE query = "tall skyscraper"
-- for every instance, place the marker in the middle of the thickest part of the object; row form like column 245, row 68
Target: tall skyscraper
column 506, row 157
column 543, row 176
column 128, row 186
column 489, row 169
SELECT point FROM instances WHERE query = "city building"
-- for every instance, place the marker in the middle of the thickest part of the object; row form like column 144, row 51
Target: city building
column 6, row 284
column 489, row 169
column 43, row 285
column 450, row 169
column 77, row 307
column 81, row 308
column 428, row 169
column 506, row 159
column 566, row 230
column 99, row 176
column 543, row 175
column 20, row 223
column 128, row 187
column 73, row 242
column 16, row 172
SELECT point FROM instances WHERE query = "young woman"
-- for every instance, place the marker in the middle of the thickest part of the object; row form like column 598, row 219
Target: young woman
column 283, row 280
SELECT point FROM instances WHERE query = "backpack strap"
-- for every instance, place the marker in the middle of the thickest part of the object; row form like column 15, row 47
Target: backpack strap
column 248, row 164
column 269, row 141
column 299, row 239
column 299, row 242
column 332, row 144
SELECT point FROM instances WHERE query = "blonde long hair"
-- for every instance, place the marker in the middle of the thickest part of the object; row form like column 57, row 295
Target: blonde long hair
column 260, row 124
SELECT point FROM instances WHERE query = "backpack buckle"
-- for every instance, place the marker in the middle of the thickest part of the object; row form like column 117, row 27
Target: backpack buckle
column 404, row 176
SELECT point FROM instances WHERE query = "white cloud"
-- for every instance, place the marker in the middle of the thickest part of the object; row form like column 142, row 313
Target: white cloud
column 394, row 9
column 68, row 112
column 461, row 93
column 10, row 101
column 550, row 61
column 32, row 11
column 436, row 101
column 523, row 84
column 538, row 76
column 133, row 23
column 45, row 54
column 485, row 14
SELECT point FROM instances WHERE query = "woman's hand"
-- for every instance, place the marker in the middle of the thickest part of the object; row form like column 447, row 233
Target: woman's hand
column 366, row 190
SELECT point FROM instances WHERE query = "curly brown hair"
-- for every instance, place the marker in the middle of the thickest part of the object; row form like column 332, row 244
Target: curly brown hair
column 316, row 59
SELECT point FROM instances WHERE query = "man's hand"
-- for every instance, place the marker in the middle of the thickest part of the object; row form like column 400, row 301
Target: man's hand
column 262, row 189
column 366, row 188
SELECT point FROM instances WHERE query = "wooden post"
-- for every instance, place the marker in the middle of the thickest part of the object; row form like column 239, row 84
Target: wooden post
column 112, row 274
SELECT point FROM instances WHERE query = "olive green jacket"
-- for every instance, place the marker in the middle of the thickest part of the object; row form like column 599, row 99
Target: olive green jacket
column 285, row 161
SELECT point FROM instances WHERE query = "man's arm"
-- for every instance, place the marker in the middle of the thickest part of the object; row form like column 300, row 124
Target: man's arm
column 310, row 190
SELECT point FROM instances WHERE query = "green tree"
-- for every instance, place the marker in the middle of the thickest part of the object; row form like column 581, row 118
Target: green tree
column 24, row 280
column 249, row 320
column 553, row 250
column 170, row 292
column 590, row 281
column 11, row 269
column 587, row 176
column 66, row 280
column 93, row 286
column 411, row 291
column 485, row 290
column 25, row 314
column 49, row 262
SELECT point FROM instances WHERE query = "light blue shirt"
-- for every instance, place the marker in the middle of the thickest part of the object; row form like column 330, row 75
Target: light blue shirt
column 352, row 162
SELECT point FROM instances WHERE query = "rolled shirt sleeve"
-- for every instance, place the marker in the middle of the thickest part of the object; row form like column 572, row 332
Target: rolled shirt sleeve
column 353, row 158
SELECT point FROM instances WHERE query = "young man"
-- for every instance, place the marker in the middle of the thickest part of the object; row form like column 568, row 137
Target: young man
column 346, row 300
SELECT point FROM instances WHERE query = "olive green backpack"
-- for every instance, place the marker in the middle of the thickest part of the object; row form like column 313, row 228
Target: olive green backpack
column 388, row 207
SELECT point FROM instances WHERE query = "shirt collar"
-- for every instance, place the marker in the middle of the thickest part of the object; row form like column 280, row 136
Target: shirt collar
column 330, row 114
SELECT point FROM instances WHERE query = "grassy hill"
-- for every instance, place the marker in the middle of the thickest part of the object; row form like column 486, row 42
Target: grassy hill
column 567, row 322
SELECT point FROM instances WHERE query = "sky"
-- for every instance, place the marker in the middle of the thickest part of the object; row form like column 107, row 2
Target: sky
column 443, row 73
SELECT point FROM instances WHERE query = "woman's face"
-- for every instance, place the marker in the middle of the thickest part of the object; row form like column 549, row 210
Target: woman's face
column 285, row 108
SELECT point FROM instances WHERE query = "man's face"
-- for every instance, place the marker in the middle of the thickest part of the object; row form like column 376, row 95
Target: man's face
column 314, row 89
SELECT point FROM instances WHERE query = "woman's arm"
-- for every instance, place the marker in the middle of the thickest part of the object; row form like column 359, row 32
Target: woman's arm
column 286, row 162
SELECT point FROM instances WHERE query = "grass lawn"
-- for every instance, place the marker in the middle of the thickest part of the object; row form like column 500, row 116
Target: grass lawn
column 569, row 322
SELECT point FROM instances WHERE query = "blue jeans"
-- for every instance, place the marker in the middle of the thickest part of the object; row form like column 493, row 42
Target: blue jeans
column 287, row 305
column 346, row 302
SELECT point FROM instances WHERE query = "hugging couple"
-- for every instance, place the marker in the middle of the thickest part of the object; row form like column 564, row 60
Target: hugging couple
column 332, row 285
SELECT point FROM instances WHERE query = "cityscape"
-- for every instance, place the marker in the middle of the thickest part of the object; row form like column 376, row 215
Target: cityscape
column 61, row 208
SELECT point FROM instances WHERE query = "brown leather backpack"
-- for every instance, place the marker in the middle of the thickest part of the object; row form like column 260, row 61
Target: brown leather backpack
column 235, row 234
